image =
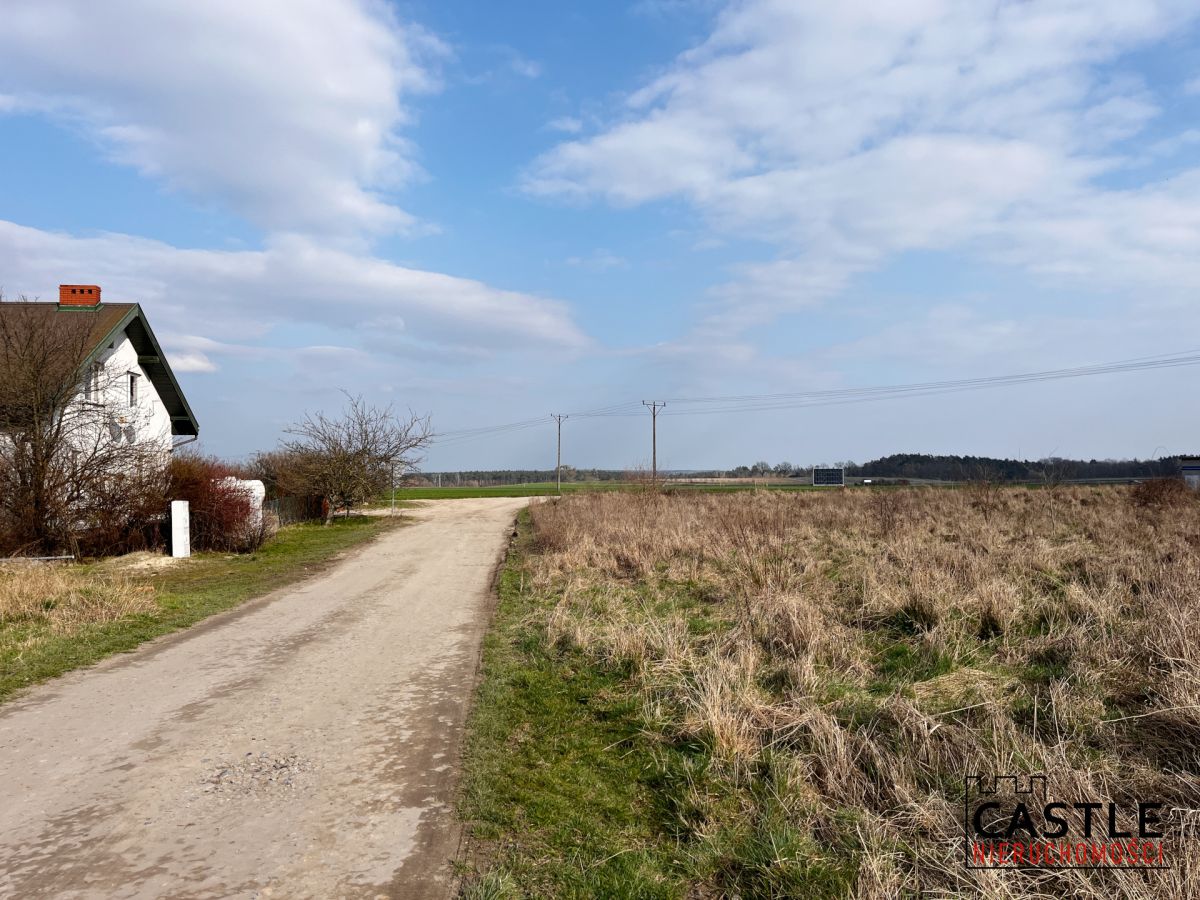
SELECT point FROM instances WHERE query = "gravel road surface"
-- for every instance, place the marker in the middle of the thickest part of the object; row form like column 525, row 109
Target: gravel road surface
column 303, row 745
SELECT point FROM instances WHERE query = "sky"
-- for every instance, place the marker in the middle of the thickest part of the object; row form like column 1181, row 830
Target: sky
column 490, row 212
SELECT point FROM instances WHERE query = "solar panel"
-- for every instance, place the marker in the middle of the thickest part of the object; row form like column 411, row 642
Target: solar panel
column 829, row 477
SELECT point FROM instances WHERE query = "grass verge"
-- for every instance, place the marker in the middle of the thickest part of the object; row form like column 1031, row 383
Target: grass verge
column 558, row 783
column 85, row 613
column 568, row 793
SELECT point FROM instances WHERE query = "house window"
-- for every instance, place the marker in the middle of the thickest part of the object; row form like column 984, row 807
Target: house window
column 133, row 389
column 91, row 384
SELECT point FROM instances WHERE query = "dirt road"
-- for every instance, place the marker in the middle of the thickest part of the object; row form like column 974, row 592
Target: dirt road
column 304, row 745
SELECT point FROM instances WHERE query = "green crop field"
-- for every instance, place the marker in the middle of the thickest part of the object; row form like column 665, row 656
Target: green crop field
column 535, row 489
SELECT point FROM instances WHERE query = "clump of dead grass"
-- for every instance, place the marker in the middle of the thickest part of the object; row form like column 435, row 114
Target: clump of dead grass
column 62, row 599
column 846, row 658
column 1161, row 492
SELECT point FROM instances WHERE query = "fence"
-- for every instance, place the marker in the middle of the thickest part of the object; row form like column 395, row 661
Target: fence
column 289, row 510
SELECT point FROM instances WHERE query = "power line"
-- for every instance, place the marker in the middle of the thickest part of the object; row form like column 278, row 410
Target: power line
column 469, row 434
column 690, row 406
column 464, row 434
column 864, row 395
column 1166, row 360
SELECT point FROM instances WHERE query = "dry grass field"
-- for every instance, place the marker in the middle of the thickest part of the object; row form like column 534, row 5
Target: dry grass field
column 61, row 600
column 815, row 674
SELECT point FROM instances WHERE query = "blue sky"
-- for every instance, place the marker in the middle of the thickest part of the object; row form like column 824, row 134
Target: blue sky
column 490, row 212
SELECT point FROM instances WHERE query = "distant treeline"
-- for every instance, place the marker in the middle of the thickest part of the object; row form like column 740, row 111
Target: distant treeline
column 974, row 468
column 927, row 466
column 922, row 466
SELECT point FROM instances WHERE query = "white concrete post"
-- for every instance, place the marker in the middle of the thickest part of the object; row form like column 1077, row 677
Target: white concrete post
column 181, row 530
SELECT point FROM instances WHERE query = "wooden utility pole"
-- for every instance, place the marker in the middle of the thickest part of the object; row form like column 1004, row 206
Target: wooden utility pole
column 654, row 406
column 558, row 460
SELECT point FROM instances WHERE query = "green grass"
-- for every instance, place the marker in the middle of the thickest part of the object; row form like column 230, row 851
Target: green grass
column 558, row 782
column 187, row 592
column 567, row 793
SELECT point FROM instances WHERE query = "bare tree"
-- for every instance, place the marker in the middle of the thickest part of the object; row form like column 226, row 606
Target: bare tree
column 349, row 459
column 72, row 468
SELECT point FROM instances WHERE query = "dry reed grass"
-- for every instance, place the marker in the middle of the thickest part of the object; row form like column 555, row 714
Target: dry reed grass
column 868, row 649
column 62, row 600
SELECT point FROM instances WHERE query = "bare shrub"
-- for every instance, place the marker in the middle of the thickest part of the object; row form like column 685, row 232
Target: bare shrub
column 221, row 514
column 292, row 498
column 887, row 507
column 350, row 458
column 1159, row 493
column 639, row 478
column 985, row 495
column 280, row 472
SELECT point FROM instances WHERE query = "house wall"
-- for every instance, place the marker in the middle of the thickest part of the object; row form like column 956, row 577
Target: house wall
column 147, row 422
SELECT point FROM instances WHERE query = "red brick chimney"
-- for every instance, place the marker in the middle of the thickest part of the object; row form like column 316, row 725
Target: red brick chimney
column 79, row 295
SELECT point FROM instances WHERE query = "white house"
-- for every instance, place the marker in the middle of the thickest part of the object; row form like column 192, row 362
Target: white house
column 127, row 382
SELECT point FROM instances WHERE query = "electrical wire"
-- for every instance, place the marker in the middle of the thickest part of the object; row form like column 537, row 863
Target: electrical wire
column 743, row 403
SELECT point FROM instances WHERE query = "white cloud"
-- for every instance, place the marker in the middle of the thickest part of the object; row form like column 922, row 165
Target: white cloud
column 210, row 303
column 567, row 124
column 844, row 134
column 287, row 112
column 1144, row 242
column 184, row 361
column 290, row 114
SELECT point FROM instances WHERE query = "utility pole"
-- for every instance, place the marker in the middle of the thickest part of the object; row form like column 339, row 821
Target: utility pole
column 393, row 487
column 558, row 461
column 654, row 406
